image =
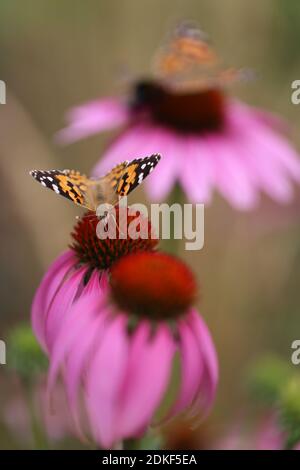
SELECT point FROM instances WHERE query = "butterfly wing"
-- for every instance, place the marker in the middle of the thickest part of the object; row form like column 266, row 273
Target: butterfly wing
column 112, row 178
column 68, row 183
column 185, row 47
column 89, row 193
column 135, row 172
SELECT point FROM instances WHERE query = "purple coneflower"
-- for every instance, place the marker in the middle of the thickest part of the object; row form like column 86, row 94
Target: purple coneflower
column 209, row 142
column 112, row 314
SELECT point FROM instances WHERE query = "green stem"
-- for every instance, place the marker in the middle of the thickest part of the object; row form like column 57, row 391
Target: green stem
column 172, row 245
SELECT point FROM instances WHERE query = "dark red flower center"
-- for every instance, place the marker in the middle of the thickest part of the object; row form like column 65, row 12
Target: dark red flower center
column 190, row 111
column 153, row 285
column 101, row 253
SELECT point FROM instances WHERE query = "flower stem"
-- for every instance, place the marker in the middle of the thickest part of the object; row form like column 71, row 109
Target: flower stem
column 172, row 245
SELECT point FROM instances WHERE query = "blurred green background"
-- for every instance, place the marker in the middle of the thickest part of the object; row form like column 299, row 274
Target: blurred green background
column 55, row 54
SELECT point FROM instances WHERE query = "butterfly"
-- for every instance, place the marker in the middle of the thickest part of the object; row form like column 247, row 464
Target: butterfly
column 188, row 61
column 90, row 193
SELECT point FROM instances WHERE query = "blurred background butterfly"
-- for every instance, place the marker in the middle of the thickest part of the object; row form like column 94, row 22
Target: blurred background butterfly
column 188, row 60
column 90, row 193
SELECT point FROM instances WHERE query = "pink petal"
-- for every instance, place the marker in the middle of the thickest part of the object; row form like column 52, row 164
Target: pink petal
column 191, row 368
column 231, row 175
column 272, row 145
column 104, row 282
column 56, row 420
column 208, row 385
column 74, row 341
column 78, row 360
column 172, row 149
column 104, row 379
column 61, row 303
column 46, row 291
column 266, row 173
column 281, row 151
column 147, row 377
column 271, row 120
column 73, row 323
column 93, row 285
column 93, row 117
column 197, row 176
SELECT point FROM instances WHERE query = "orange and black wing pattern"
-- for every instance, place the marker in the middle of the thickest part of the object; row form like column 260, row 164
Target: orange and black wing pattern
column 112, row 178
column 186, row 47
column 68, row 183
column 88, row 192
column 135, row 172
column 188, row 60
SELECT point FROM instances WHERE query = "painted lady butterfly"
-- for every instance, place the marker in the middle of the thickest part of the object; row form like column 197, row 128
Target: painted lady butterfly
column 89, row 192
column 188, row 61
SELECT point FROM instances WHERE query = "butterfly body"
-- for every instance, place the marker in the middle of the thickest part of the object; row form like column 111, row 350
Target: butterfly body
column 91, row 192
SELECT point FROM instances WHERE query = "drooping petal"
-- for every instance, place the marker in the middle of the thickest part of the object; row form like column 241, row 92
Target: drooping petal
column 191, row 367
column 77, row 362
column 103, row 381
column 76, row 338
column 257, row 167
column 271, row 120
column 56, row 419
column 74, row 321
column 231, row 176
column 266, row 175
column 268, row 144
column 60, row 305
column 162, row 180
column 208, row 384
column 93, row 117
column 147, row 377
column 197, row 176
column 46, row 291
column 90, row 305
